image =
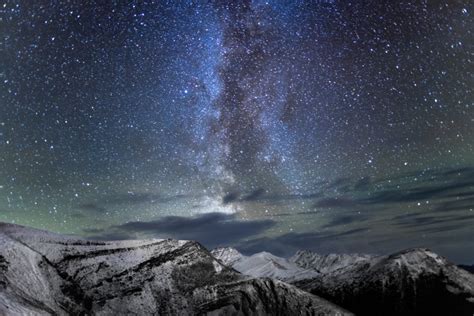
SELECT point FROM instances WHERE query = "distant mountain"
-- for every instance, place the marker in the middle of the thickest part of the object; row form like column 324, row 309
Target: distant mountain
column 467, row 267
column 227, row 255
column 48, row 274
column 411, row 282
column 328, row 263
column 263, row 264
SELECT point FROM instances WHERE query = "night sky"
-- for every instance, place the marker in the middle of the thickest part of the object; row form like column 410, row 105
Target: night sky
column 329, row 125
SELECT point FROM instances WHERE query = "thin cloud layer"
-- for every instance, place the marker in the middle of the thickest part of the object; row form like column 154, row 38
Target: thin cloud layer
column 211, row 229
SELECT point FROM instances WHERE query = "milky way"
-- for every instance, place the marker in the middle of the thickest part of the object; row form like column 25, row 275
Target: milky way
column 275, row 125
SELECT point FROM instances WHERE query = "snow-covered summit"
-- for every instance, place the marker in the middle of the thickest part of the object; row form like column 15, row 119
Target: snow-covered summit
column 416, row 261
column 49, row 274
column 263, row 264
column 228, row 255
column 410, row 282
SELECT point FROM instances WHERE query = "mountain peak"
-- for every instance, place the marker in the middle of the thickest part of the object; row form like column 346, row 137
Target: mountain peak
column 228, row 255
column 414, row 281
column 262, row 264
column 417, row 260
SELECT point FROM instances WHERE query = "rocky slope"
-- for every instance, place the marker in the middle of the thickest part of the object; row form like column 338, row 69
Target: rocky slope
column 328, row 263
column 263, row 264
column 228, row 255
column 411, row 282
column 46, row 274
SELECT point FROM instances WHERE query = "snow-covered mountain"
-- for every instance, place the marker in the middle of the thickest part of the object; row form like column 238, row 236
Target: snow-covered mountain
column 410, row 282
column 263, row 264
column 43, row 273
column 328, row 263
column 48, row 274
column 228, row 255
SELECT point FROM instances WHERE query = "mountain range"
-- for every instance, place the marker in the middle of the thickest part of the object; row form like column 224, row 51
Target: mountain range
column 411, row 282
column 42, row 273
column 47, row 274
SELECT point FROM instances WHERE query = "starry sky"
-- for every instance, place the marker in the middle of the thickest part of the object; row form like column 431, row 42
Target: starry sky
column 329, row 125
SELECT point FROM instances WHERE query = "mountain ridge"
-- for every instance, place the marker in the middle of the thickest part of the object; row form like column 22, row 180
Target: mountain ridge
column 414, row 281
column 45, row 273
column 42, row 273
column 262, row 264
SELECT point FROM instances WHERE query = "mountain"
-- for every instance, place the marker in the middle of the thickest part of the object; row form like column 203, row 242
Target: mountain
column 263, row 264
column 328, row 263
column 410, row 282
column 47, row 274
column 228, row 255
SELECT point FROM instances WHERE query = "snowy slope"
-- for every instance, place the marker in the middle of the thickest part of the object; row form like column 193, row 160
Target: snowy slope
column 263, row 264
column 228, row 255
column 43, row 274
column 410, row 282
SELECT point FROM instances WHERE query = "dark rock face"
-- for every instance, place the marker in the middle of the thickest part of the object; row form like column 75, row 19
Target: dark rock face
column 412, row 282
column 3, row 270
column 47, row 274
column 467, row 268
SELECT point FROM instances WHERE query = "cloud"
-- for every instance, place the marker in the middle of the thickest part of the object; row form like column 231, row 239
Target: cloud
column 261, row 195
column 336, row 202
column 345, row 220
column 462, row 194
column 456, row 205
column 407, row 216
column 446, row 190
column 433, row 186
column 296, row 213
column 91, row 207
column 230, row 197
column 440, row 221
column 287, row 244
column 211, row 229
column 127, row 199
column 254, row 195
column 442, row 229
column 362, row 184
column 132, row 198
column 341, row 183
column 109, row 235
column 416, row 194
